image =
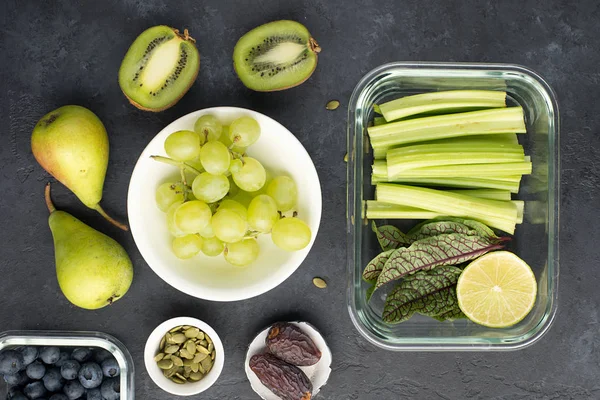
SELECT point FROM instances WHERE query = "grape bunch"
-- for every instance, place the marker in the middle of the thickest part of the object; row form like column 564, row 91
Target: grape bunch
column 232, row 198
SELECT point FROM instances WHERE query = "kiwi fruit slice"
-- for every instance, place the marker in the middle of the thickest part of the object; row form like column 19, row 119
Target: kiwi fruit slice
column 275, row 56
column 159, row 68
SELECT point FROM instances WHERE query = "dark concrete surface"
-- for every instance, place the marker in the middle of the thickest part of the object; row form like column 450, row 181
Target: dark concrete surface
column 68, row 52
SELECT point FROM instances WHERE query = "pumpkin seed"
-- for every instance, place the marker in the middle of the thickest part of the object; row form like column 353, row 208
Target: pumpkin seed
column 171, row 349
column 346, row 157
column 191, row 347
column 200, row 335
column 195, row 367
column 177, row 328
column 159, row 357
column 210, row 347
column 187, row 362
column 161, row 346
column 201, row 369
column 319, row 282
column 192, row 332
column 199, row 357
column 332, row 105
column 203, row 349
column 180, row 376
column 178, row 380
column 165, row 364
column 206, row 363
column 177, row 361
column 185, row 327
column 179, row 338
column 185, row 354
column 208, row 339
column 169, row 338
column 196, row 376
column 167, row 357
column 212, row 355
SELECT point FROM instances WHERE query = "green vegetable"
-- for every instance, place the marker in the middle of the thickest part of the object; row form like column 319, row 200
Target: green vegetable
column 389, row 237
column 431, row 252
column 375, row 266
column 471, row 182
column 494, row 121
column 492, row 194
column 431, row 293
column 466, row 170
column 380, row 210
column 498, row 214
column 446, row 101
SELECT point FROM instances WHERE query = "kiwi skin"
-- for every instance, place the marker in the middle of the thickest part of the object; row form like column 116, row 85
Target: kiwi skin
column 312, row 45
column 185, row 36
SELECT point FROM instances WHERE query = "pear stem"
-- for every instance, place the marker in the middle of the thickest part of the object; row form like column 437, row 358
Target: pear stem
column 49, row 204
column 111, row 219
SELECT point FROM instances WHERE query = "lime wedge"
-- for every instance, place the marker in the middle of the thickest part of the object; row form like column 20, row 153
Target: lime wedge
column 496, row 290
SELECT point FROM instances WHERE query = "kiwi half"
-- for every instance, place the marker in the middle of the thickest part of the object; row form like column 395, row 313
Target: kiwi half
column 275, row 56
column 159, row 68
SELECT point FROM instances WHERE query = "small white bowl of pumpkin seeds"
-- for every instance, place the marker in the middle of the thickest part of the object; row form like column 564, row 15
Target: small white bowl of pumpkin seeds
column 184, row 356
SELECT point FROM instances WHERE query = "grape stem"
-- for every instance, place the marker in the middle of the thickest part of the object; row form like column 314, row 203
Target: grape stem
column 237, row 155
column 175, row 163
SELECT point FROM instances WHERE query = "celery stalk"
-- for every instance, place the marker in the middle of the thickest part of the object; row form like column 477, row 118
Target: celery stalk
column 498, row 214
column 379, row 210
column 400, row 163
column 500, row 120
column 446, row 101
column 470, row 182
column 520, row 204
column 455, row 148
column 379, row 121
column 467, row 170
column 492, row 194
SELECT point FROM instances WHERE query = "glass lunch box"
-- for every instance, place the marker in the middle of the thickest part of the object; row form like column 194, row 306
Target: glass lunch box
column 16, row 339
column 535, row 241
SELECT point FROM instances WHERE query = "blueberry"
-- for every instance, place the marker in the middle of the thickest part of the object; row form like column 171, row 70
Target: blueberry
column 81, row 354
column 102, row 354
column 50, row 355
column 90, row 375
column 36, row 370
column 15, row 379
column 93, row 394
column 11, row 362
column 30, row 354
column 53, row 381
column 111, row 389
column 73, row 390
column 34, row 390
column 59, row 396
column 16, row 395
column 70, row 369
column 64, row 356
column 110, row 368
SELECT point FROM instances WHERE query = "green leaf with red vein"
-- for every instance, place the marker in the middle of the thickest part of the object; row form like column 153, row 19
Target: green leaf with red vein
column 389, row 237
column 375, row 266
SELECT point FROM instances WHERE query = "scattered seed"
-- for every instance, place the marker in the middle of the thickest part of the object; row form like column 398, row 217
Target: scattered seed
column 332, row 105
column 319, row 282
column 346, row 157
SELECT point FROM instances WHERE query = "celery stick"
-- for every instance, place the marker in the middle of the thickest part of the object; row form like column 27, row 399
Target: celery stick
column 379, row 121
column 492, row 194
column 455, row 148
column 379, row 210
column 499, row 120
column 446, row 101
column 400, row 163
column 520, row 204
column 467, row 170
column 470, row 182
column 498, row 214
column 380, row 168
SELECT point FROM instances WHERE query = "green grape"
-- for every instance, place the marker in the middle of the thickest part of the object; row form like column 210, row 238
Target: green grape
column 262, row 213
column 208, row 127
column 215, row 157
column 242, row 253
column 196, row 163
column 251, row 177
column 242, row 197
column 233, row 188
column 228, row 204
column 187, row 246
column 210, row 188
column 229, row 226
column 235, row 165
column 212, row 247
column 183, row 145
column 171, row 225
column 192, row 216
column 244, row 131
column 167, row 194
column 291, row 234
column 283, row 190
column 207, row 232
column 227, row 142
column 263, row 189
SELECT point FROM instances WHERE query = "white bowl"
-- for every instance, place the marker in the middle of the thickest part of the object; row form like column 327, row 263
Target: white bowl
column 212, row 278
column 187, row 389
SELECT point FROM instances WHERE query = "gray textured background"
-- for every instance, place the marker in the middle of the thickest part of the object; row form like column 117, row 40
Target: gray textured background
column 55, row 53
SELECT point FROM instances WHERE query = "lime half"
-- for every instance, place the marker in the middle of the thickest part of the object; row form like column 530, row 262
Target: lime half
column 496, row 290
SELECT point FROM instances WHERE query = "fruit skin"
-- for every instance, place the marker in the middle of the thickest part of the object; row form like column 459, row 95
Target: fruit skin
column 30, row 353
column 73, row 390
column 292, row 345
column 131, row 51
column 110, row 368
column 34, row 390
column 11, row 362
column 35, row 370
column 111, row 389
column 71, row 143
column 90, row 375
column 81, row 354
column 92, row 269
column 70, row 369
column 247, row 40
column 50, row 355
column 285, row 380
column 53, row 381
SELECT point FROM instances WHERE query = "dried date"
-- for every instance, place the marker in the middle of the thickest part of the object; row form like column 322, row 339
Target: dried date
column 291, row 344
column 285, row 380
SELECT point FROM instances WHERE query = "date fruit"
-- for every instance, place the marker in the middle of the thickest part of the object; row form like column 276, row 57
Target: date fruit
column 285, row 380
column 291, row 344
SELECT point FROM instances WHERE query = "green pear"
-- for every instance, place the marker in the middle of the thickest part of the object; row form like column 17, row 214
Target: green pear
column 71, row 143
column 92, row 269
